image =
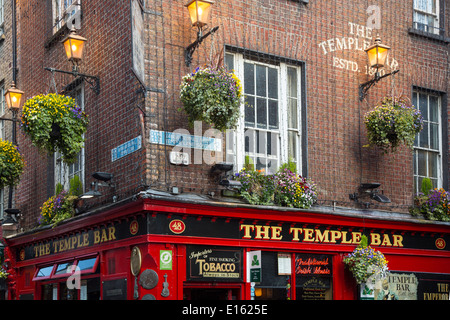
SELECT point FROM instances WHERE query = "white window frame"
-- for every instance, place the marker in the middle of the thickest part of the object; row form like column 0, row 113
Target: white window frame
column 427, row 13
column 236, row 138
column 64, row 172
column 428, row 149
column 62, row 10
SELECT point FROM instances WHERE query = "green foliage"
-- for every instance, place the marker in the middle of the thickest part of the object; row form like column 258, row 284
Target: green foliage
column 55, row 123
column 290, row 165
column 285, row 188
column 57, row 208
column 426, row 186
column 11, row 164
column 393, row 123
column 212, row 95
column 435, row 205
column 76, row 187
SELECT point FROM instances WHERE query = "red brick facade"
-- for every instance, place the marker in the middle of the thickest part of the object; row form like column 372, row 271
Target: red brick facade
column 326, row 37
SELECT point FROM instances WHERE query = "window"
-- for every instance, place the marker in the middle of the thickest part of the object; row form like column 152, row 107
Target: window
column 270, row 132
column 428, row 143
column 63, row 10
column 65, row 173
column 426, row 16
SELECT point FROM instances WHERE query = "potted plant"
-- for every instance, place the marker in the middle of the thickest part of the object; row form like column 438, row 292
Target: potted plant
column 55, row 123
column 365, row 262
column 212, row 95
column 434, row 205
column 257, row 188
column 57, row 208
column 293, row 190
column 11, row 164
column 392, row 123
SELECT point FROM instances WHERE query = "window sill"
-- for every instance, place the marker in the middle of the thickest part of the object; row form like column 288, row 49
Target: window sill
column 56, row 37
column 420, row 33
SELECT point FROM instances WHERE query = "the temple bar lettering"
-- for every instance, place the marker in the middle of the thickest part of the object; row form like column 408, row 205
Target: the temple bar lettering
column 296, row 234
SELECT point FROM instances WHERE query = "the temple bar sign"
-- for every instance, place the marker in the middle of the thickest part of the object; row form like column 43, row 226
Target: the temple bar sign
column 296, row 234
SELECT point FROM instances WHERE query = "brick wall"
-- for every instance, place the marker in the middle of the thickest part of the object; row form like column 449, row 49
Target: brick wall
column 337, row 160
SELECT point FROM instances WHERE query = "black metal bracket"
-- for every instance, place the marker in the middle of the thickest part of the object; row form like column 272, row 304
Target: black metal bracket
column 189, row 51
column 93, row 81
column 364, row 87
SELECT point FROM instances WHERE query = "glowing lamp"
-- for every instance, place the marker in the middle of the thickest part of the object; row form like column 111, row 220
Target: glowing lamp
column 377, row 54
column 199, row 12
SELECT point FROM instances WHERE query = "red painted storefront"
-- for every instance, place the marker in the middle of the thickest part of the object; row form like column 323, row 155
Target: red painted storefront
column 161, row 248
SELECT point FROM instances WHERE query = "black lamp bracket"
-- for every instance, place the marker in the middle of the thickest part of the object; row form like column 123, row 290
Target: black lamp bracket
column 189, row 51
column 93, row 81
column 364, row 87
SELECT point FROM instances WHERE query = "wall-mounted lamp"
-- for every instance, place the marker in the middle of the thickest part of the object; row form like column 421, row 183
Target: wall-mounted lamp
column 199, row 11
column 377, row 55
column 13, row 97
column 12, row 217
column 369, row 189
column 104, row 177
column 74, row 47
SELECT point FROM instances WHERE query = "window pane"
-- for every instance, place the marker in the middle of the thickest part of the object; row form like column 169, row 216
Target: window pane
column 422, row 163
column 434, row 136
column 261, row 113
column 432, row 164
column 261, row 142
column 45, row 272
column 62, row 268
column 261, row 81
column 292, row 82
column 292, row 114
column 273, row 83
column 273, row 114
column 249, row 78
column 423, row 105
column 423, row 139
column 292, row 145
column 249, row 111
column 434, row 109
column 86, row 264
column 249, row 141
column 229, row 61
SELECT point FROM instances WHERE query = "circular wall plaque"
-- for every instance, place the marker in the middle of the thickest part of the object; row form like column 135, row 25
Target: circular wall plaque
column 148, row 279
column 135, row 261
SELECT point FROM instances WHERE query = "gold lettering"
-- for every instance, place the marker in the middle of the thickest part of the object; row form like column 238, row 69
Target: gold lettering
column 356, row 237
column 104, row 237
column 296, row 231
column 322, row 237
column 308, row 235
column 375, row 239
column 247, row 228
column 96, row 236
column 335, row 235
column 85, row 239
column 262, row 234
column 111, row 233
column 398, row 240
column 344, row 238
column 74, row 241
column 386, row 241
column 36, row 254
column 276, row 233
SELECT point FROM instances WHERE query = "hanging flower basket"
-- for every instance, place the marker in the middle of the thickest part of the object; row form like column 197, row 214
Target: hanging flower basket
column 11, row 164
column 55, row 123
column 392, row 123
column 365, row 262
column 212, row 95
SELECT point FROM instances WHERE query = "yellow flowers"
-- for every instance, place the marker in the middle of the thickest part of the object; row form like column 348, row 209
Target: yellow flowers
column 11, row 164
column 55, row 123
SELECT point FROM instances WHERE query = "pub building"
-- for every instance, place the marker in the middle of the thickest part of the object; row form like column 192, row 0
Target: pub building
column 166, row 247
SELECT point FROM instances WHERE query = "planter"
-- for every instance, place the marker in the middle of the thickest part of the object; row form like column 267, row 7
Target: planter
column 212, row 95
column 55, row 123
column 392, row 123
column 11, row 164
